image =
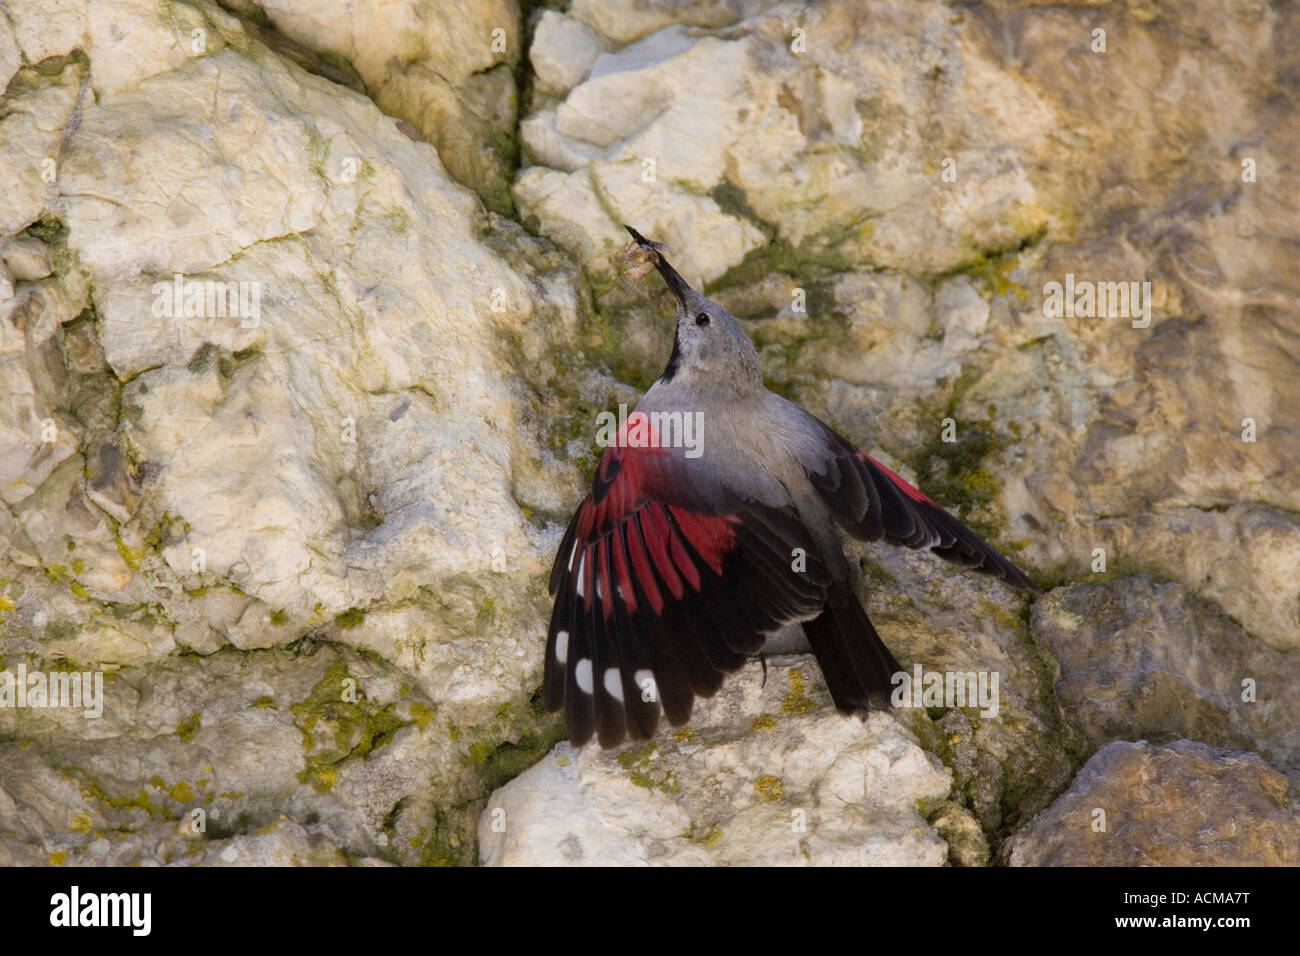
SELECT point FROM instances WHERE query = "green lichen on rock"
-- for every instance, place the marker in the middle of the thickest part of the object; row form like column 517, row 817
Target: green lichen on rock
column 710, row 836
column 491, row 754
column 423, row 716
column 339, row 722
column 815, row 256
column 119, row 810
column 991, row 269
column 957, row 473
column 967, row 845
column 188, row 728
column 642, row 770
column 352, row 617
column 1006, row 768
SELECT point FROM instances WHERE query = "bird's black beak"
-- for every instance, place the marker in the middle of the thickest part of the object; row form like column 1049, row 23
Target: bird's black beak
column 676, row 283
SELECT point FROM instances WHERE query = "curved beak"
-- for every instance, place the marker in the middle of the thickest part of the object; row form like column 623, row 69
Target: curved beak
column 675, row 282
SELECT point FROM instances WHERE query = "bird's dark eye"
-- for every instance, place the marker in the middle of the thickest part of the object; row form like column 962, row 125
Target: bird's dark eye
column 702, row 319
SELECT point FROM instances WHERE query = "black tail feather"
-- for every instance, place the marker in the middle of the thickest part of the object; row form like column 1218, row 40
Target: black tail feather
column 857, row 665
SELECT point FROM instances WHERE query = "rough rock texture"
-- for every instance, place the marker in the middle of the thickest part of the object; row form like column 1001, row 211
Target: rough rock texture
column 447, row 67
column 779, row 167
column 761, row 776
column 346, row 452
column 794, row 158
column 1184, row 804
column 306, row 537
column 1139, row 660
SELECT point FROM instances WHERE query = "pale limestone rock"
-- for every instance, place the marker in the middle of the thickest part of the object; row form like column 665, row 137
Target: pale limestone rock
column 627, row 20
column 220, row 429
column 30, row 136
column 1006, row 765
column 11, row 58
column 822, row 145
column 282, row 843
column 47, row 28
column 705, row 240
column 763, row 776
column 1243, row 558
column 365, row 440
column 26, row 257
column 444, row 66
column 36, row 435
column 285, row 763
column 128, row 41
column 563, row 51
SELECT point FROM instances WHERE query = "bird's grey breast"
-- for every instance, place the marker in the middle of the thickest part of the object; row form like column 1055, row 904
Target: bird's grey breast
column 756, row 447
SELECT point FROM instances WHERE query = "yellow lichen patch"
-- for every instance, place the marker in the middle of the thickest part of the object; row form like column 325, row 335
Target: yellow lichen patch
column 80, row 823
column 683, row 735
column 58, row 858
column 796, row 701
column 711, row 837
column 641, row 766
column 6, row 603
column 321, row 779
column 769, row 788
column 763, row 723
column 422, row 715
column 1005, row 618
column 562, row 761
column 189, row 727
column 181, row 792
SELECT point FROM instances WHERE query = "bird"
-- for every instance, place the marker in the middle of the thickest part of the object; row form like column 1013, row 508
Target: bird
column 682, row 563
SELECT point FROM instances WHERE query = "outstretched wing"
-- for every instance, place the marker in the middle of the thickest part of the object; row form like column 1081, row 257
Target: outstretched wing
column 870, row 502
column 664, row 582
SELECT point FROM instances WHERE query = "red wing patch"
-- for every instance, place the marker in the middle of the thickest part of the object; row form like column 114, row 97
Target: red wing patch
column 914, row 493
column 656, row 600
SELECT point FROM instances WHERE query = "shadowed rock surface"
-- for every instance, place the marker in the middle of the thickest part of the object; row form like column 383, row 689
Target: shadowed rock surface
column 1183, row 804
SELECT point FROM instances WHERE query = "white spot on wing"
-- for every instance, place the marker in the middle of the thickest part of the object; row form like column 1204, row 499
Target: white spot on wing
column 614, row 684
column 582, row 566
column 582, row 675
column 561, row 646
column 645, row 680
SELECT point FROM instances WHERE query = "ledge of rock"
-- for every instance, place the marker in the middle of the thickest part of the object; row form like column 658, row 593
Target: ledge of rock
column 762, row 775
column 1182, row 804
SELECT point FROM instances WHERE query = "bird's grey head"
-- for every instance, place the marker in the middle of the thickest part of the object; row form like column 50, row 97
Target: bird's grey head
column 710, row 349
